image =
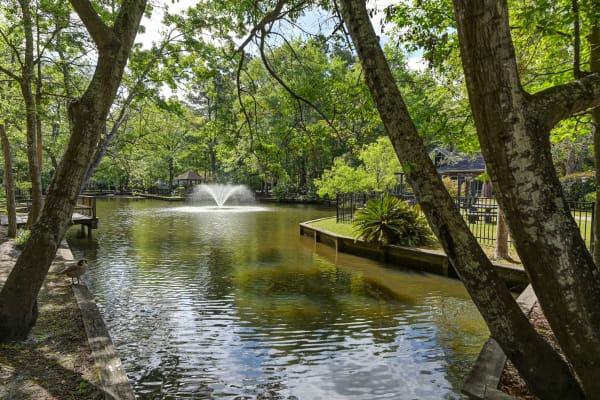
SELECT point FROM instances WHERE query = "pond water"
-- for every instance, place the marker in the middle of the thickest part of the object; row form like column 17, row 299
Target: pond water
column 235, row 304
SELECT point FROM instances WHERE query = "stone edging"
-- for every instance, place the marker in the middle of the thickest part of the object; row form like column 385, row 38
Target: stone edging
column 482, row 382
column 432, row 261
column 112, row 377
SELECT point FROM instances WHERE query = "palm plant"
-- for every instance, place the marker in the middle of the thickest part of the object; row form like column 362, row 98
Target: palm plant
column 388, row 220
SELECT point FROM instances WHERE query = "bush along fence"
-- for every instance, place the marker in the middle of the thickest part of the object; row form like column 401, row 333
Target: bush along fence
column 480, row 213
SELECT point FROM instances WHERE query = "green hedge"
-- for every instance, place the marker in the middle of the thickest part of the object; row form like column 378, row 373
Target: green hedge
column 576, row 186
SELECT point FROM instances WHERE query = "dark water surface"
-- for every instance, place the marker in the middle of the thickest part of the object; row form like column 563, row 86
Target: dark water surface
column 235, row 304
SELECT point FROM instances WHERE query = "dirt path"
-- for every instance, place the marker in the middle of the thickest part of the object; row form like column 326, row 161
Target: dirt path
column 54, row 363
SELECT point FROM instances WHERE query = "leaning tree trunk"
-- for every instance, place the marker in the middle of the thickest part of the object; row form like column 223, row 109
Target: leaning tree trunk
column 540, row 364
column 9, row 184
column 87, row 118
column 594, row 41
column 514, row 128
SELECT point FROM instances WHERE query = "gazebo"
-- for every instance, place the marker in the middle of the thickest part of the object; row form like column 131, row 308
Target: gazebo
column 188, row 179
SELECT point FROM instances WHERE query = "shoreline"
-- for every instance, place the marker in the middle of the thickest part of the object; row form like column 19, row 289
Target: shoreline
column 68, row 352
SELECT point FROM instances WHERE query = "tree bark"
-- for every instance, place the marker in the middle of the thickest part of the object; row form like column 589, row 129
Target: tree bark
column 11, row 208
column 501, row 237
column 594, row 42
column 87, row 119
column 123, row 112
column 513, row 129
column 542, row 367
column 26, row 82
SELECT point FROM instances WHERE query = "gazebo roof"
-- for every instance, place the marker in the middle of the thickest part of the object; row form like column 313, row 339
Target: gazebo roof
column 189, row 176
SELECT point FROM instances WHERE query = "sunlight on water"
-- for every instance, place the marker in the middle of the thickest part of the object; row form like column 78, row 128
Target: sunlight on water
column 236, row 305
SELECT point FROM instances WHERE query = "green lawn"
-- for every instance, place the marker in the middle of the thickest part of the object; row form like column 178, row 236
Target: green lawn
column 331, row 225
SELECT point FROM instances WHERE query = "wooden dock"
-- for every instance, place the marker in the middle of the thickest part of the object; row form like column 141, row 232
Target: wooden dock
column 83, row 215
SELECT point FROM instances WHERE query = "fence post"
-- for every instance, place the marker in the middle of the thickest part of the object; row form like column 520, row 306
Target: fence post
column 337, row 208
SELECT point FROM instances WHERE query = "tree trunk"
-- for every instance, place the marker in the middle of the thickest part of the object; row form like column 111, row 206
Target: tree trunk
column 540, row 364
column 572, row 164
column 501, row 237
column 171, row 167
column 513, row 129
column 123, row 112
column 27, row 78
column 11, row 208
column 38, row 107
column 594, row 41
column 87, row 119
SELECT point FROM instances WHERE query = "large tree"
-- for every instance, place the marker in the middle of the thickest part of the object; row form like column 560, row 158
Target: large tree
column 22, row 45
column 87, row 120
column 518, row 154
column 514, row 130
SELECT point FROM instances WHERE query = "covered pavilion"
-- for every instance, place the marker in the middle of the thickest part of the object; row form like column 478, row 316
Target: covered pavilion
column 188, row 179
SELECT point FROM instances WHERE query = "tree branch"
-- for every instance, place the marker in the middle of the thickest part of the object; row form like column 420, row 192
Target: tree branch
column 270, row 17
column 10, row 74
column 288, row 89
column 15, row 51
column 559, row 102
column 97, row 29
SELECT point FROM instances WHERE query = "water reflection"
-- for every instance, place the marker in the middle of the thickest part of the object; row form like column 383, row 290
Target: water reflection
column 237, row 305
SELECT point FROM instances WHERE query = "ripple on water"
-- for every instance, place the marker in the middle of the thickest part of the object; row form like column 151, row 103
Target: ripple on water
column 199, row 314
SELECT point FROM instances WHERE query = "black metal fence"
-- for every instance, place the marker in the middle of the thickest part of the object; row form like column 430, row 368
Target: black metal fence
column 480, row 213
column 348, row 203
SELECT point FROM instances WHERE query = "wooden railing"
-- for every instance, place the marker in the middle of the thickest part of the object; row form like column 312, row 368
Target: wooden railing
column 86, row 205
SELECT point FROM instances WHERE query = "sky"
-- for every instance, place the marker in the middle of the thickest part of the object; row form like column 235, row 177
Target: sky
column 309, row 22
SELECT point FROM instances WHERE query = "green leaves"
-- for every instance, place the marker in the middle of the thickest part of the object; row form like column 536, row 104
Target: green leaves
column 426, row 26
column 376, row 171
column 388, row 220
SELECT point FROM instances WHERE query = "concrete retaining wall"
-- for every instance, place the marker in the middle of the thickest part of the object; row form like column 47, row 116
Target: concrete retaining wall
column 432, row 261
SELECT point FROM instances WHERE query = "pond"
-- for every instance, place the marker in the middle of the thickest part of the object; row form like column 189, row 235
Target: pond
column 235, row 304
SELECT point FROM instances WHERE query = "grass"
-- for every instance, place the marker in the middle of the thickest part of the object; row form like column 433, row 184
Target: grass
column 329, row 224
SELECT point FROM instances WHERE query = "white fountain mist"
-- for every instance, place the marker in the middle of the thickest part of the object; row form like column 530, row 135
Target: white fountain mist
column 221, row 193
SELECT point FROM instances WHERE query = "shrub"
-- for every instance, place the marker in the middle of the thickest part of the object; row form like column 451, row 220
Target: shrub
column 576, row 186
column 22, row 237
column 391, row 221
column 590, row 197
column 284, row 190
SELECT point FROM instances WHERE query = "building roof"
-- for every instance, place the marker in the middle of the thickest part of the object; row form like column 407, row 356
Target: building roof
column 189, row 176
column 454, row 163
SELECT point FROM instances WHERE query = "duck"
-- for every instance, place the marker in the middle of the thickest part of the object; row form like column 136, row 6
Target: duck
column 74, row 269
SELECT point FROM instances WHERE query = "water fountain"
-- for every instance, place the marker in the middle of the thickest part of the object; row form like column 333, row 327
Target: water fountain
column 219, row 197
column 221, row 193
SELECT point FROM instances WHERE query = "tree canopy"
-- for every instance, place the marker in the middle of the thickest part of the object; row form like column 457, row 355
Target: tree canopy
column 243, row 92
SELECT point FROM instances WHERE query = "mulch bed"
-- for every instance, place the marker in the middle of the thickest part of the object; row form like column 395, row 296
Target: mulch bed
column 510, row 381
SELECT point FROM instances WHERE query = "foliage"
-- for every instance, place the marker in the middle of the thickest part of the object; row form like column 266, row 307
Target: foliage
column 590, row 197
column 451, row 186
column 576, row 186
column 22, row 237
column 284, row 190
column 388, row 220
column 376, row 171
